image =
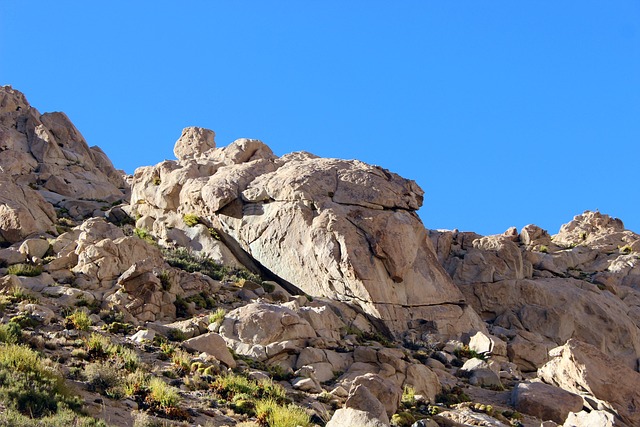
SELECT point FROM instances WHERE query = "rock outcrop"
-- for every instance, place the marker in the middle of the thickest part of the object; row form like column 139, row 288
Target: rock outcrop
column 536, row 291
column 47, row 153
column 334, row 228
column 605, row 383
column 247, row 277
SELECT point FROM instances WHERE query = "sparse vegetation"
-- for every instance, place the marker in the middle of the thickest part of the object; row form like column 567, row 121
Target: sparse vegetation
column 626, row 249
column 217, row 316
column 544, row 249
column 27, row 270
column 144, row 235
column 190, row 220
column 271, row 413
column 31, row 385
column 79, row 320
column 185, row 260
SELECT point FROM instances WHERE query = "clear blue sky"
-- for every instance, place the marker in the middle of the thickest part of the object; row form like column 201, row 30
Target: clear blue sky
column 505, row 113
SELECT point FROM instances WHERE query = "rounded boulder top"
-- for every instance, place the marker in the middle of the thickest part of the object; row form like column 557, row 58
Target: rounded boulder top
column 194, row 142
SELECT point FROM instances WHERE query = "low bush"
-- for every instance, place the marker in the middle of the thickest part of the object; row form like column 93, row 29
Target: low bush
column 30, row 384
column 190, row 220
column 65, row 417
column 271, row 413
column 10, row 333
column 79, row 320
column 25, row 270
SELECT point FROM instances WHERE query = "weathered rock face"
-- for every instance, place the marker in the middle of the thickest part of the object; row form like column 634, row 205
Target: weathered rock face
column 583, row 369
column 46, row 152
column 537, row 290
column 23, row 211
column 334, row 228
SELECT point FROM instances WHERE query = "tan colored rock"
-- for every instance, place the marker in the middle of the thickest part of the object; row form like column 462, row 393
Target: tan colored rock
column 212, row 344
column 424, row 381
column 35, row 247
column 362, row 399
column 349, row 417
column 23, row 212
column 557, row 309
column 47, row 152
column 194, row 142
column 331, row 227
column 581, row 368
column 595, row 230
column 12, row 255
column 592, row 419
column 384, row 390
column 261, row 323
column 545, row 401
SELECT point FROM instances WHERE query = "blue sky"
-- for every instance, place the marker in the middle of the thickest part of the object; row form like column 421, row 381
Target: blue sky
column 505, row 113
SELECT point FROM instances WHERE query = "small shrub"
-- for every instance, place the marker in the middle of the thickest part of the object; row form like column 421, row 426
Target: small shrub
column 468, row 353
column 162, row 395
column 165, row 280
column 190, row 219
column 98, row 345
column 25, row 321
column 65, row 417
column 102, row 377
column 181, row 359
column 156, row 180
column 10, row 333
column 27, row 270
column 117, row 328
column 544, row 249
column 271, row 413
column 626, row 250
column 134, row 383
column 402, row 419
column 144, row 235
column 79, row 320
column 408, row 396
column 452, row 397
column 217, row 316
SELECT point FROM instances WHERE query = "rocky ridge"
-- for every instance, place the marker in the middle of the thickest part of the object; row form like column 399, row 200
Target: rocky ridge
column 233, row 262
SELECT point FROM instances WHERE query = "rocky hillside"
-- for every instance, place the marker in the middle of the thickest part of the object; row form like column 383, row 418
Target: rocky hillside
column 234, row 287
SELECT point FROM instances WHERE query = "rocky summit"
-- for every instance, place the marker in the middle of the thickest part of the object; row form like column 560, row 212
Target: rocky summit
column 233, row 287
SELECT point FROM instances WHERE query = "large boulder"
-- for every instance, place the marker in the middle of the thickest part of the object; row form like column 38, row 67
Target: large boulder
column 335, row 228
column 545, row 401
column 23, row 212
column 583, row 369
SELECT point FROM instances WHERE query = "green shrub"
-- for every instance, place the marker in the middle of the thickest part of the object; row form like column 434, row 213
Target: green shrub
column 10, row 333
column 29, row 385
column 63, row 418
column 468, row 353
column 144, row 235
column 161, row 394
column 98, row 345
column 217, row 316
column 402, row 419
column 544, row 249
column 117, row 328
column 165, row 280
column 184, row 260
column 25, row 270
column 190, row 219
column 102, row 377
column 79, row 320
column 273, row 414
column 25, row 321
